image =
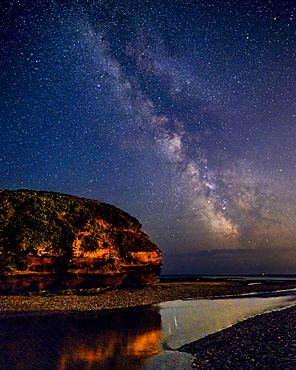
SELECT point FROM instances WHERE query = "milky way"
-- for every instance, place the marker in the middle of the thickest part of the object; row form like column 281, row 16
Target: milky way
column 180, row 112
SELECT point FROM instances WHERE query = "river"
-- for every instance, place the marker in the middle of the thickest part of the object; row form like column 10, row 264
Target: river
column 134, row 338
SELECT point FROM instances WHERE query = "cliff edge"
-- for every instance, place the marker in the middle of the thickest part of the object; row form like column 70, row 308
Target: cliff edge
column 51, row 240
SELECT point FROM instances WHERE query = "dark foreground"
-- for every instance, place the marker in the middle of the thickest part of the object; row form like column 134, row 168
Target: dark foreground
column 266, row 341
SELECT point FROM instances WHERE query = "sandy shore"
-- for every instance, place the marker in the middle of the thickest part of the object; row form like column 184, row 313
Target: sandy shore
column 266, row 341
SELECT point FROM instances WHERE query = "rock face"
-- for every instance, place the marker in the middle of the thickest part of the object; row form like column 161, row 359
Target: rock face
column 56, row 241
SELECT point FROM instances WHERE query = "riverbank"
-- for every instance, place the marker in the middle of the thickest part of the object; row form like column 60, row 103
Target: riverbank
column 266, row 341
column 82, row 301
column 263, row 342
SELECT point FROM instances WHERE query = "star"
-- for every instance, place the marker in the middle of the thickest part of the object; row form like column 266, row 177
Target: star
column 181, row 114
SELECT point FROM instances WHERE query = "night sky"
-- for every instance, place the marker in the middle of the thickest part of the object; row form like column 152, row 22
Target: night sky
column 182, row 113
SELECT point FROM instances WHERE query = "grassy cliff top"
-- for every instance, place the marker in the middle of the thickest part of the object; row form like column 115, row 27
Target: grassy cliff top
column 47, row 223
column 44, row 205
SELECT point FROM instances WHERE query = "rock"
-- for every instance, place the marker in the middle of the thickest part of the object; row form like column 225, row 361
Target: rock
column 51, row 240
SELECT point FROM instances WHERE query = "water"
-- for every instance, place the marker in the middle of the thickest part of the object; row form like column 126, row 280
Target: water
column 127, row 338
column 261, row 277
column 184, row 321
column 117, row 339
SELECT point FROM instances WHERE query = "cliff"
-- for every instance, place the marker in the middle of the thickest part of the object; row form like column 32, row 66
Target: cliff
column 56, row 241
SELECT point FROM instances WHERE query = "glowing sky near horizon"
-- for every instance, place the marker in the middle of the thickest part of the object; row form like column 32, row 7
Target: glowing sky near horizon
column 182, row 113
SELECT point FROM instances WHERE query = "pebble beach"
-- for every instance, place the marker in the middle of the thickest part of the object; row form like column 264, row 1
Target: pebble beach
column 266, row 341
column 160, row 292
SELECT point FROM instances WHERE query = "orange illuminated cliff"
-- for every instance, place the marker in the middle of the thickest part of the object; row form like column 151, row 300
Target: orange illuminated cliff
column 53, row 240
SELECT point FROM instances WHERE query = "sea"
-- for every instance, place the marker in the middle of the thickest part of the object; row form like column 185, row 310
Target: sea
column 144, row 338
column 260, row 277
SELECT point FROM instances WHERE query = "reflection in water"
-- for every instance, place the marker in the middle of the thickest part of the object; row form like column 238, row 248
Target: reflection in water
column 124, row 339
column 184, row 321
column 111, row 350
column 121, row 339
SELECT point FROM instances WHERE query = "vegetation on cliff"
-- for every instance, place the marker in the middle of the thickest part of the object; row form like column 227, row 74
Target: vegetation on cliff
column 52, row 232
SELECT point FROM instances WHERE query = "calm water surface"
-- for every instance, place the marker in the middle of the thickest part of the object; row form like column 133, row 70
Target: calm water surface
column 126, row 338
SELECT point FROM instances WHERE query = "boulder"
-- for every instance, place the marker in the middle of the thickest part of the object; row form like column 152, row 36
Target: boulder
column 50, row 240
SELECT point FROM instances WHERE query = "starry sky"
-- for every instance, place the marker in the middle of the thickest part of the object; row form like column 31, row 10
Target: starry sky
column 182, row 113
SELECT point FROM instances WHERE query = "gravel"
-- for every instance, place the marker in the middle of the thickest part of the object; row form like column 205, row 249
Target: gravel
column 160, row 292
column 266, row 341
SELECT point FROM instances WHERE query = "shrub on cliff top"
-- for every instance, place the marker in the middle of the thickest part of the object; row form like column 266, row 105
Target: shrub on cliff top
column 31, row 220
